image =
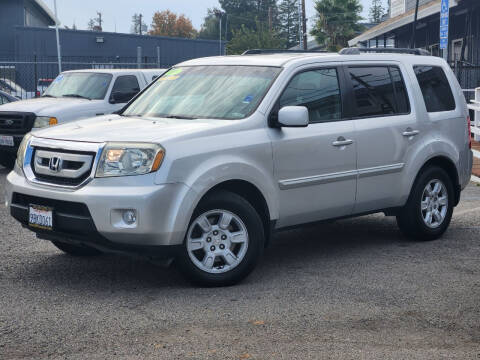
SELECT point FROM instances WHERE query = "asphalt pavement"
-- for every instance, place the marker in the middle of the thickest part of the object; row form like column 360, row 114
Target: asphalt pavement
column 347, row 290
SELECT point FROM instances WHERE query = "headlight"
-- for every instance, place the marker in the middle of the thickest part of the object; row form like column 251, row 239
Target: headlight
column 22, row 149
column 125, row 159
column 44, row 121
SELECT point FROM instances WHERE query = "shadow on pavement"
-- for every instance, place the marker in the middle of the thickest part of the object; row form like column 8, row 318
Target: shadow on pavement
column 302, row 248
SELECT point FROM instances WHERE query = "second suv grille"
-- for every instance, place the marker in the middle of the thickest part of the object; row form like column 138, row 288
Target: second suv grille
column 16, row 122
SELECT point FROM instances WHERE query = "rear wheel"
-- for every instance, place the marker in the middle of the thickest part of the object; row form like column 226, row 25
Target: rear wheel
column 76, row 250
column 224, row 241
column 428, row 211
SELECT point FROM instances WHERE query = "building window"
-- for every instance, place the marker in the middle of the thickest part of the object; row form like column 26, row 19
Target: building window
column 434, row 49
column 457, row 49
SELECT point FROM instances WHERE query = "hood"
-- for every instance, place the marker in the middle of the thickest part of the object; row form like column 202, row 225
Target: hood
column 119, row 128
column 45, row 106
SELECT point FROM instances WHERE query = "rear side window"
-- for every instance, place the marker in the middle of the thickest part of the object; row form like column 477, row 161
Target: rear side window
column 127, row 84
column 379, row 90
column 435, row 88
column 319, row 91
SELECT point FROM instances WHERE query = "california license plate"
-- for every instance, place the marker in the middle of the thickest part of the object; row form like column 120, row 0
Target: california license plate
column 6, row 140
column 40, row 217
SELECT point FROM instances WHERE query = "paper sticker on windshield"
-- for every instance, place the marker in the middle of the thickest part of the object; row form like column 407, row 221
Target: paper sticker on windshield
column 173, row 74
column 59, row 78
column 248, row 99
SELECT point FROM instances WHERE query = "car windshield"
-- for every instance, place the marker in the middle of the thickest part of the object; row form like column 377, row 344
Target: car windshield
column 214, row 92
column 91, row 86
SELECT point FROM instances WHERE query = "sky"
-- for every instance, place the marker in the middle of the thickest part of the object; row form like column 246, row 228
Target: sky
column 118, row 13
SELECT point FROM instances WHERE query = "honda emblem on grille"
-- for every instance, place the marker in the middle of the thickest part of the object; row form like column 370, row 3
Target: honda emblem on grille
column 55, row 164
column 9, row 122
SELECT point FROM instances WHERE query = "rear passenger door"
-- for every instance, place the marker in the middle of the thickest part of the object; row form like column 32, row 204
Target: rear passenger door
column 386, row 131
column 315, row 166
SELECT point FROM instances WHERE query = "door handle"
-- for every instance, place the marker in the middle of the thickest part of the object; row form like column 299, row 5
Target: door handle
column 409, row 132
column 341, row 141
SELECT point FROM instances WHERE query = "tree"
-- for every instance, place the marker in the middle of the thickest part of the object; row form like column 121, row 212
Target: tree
column 289, row 22
column 260, row 38
column 210, row 26
column 337, row 22
column 138, row 25
column 95, row 24
column 377, row 11
column 167, row 23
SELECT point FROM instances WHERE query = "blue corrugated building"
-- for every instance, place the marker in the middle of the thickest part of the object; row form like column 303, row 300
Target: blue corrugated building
column 25, row 31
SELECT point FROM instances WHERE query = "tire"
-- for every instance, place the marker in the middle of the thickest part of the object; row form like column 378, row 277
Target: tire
column 7, row 160
column 222, row 253
column 76, row 250
column 413, row 219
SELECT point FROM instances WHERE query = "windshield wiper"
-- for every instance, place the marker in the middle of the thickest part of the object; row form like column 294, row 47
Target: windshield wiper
column 48, row 95
column 76, row 96
column 179, row 117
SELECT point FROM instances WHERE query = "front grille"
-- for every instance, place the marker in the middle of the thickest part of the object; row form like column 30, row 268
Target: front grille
column 18, row 123
column 72, row 169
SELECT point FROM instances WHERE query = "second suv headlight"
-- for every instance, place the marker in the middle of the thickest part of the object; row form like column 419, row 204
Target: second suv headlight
column 126, row 159
column 44, row 121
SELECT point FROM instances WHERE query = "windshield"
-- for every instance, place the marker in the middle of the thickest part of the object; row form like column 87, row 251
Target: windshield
column 214, row 92
column 91, row 86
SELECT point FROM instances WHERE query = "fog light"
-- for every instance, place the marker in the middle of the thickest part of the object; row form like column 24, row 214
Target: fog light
column 129, row 217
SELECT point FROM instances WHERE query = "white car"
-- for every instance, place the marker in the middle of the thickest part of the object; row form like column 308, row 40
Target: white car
column 73, row 95
column 15, row 90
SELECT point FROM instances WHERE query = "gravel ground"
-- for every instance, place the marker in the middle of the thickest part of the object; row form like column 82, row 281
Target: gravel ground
column 351, row 289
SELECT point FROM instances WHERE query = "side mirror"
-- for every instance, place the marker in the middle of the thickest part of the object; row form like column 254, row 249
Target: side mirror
column 120, row 97
column 293, row 116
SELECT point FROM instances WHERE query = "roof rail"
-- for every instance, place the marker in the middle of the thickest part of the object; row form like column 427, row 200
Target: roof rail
column 358, row 51
column 279, row 51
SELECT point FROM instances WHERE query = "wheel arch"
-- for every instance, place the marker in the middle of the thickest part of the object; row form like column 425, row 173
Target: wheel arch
column 252, row 194
column 445, row 163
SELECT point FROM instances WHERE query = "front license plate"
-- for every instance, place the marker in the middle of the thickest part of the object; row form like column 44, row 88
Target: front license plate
column 40, row 217
column 6, row 140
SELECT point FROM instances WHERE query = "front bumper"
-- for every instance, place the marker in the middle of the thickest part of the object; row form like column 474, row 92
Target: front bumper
column 92, row 212
column 17, row 139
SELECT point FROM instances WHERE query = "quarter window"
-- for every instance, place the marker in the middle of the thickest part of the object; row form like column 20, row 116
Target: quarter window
column 379, row 90
column 319, row 91
column 435, row 88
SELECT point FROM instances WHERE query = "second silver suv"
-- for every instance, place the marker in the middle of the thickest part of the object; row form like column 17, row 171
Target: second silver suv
column 220, row 152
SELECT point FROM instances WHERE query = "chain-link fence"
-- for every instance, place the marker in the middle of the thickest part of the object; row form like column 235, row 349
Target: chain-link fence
column 468, row 76
column 27, row 78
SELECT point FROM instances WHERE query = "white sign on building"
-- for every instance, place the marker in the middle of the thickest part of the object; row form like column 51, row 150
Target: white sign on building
column 397, row 7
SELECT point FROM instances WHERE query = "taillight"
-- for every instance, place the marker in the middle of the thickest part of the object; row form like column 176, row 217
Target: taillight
column 37, row 94
column 469, row 132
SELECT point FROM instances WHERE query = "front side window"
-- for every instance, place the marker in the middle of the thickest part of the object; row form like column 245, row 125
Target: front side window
column 319, row 91
column 126, row 84
column 212, row 92
column 435, row 88
column 92, row 86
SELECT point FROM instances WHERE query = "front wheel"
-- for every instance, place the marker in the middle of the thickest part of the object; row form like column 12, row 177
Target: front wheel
column 224, row 241
column 429, row 209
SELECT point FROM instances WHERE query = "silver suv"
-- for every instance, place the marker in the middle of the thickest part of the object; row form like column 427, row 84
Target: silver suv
column 218, row 153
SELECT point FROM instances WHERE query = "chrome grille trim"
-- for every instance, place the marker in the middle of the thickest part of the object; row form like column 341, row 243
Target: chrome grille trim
column 64, row 159
column 63, row 148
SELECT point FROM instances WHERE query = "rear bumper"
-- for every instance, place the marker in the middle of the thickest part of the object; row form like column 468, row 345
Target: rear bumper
column 93, row 212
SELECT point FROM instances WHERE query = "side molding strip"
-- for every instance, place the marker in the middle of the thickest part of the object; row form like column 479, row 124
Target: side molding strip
column 339, row 176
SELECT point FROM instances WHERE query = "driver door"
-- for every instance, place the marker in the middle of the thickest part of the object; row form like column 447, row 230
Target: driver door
column 315, row 166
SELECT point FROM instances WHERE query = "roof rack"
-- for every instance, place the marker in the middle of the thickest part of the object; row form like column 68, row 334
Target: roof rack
column 358, row 51
column 279, row 51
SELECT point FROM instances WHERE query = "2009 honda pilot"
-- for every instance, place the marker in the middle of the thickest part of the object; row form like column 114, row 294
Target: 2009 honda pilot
column 220, row 152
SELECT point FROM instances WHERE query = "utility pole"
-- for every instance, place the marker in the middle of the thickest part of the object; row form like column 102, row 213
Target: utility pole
column 99, row 19
column 270, row 18
column 300, row 26
column 304, row 26
column 58, row 38
column 141, row 24
column 414, row 27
